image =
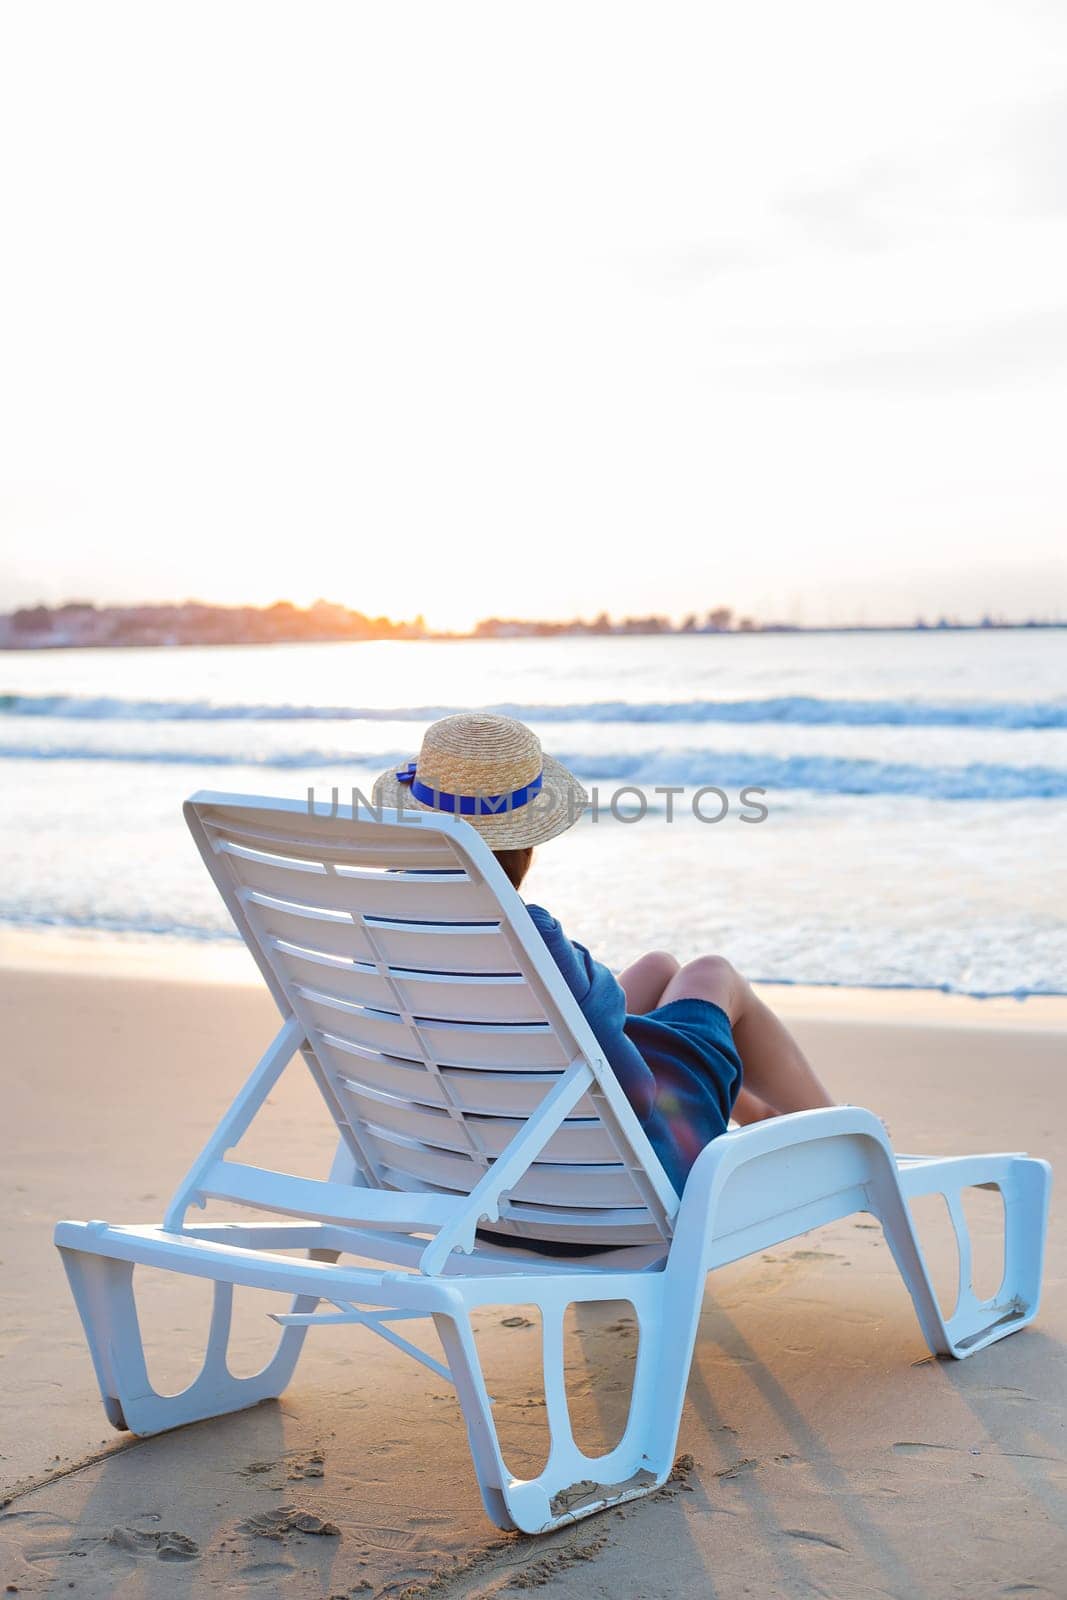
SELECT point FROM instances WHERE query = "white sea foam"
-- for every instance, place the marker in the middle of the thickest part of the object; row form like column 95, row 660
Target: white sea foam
column 801, row 710
column 915, row 829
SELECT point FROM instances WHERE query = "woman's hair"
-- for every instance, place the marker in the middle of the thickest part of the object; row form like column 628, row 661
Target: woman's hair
column 516, row 863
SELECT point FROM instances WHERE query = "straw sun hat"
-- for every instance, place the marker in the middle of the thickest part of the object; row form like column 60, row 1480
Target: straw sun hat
column 492, row 772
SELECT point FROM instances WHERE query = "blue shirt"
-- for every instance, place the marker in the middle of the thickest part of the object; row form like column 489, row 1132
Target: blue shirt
column 678, row 1065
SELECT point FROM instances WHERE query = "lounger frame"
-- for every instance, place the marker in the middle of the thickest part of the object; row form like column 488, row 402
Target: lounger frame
column 379, row 1255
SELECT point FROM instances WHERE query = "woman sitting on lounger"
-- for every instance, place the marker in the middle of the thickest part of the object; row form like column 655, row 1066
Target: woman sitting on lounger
column 679, row 1037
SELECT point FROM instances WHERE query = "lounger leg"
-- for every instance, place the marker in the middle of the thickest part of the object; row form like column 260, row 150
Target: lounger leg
column 1024, row 1184
column 103, row 1292
column 1026, row 1193
column 571, row 1484
column 889, row 1206
column 841, row 1164
column 461, row 1354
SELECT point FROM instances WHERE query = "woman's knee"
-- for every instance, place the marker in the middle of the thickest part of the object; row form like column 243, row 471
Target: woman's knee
column 663, row 964
column 654, row 967
column 714, row 978
column 646, row 980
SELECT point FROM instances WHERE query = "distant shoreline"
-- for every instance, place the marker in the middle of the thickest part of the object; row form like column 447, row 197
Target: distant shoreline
column 84, row 625
column 535, row 631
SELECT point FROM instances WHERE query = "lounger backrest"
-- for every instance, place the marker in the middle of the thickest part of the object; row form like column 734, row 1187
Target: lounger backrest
column 436, row 1018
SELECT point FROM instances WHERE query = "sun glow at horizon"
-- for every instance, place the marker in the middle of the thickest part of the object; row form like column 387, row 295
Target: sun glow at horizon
column 700, row 350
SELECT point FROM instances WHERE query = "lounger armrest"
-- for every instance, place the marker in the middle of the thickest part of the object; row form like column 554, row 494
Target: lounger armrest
column 778, row 1178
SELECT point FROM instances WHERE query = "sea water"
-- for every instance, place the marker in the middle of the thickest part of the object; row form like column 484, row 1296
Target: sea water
column 915, row 787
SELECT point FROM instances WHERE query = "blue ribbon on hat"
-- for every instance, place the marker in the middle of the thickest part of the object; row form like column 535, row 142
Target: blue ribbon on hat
column 468, row 805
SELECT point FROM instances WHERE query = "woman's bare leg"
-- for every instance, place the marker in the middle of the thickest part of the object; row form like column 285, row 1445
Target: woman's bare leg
column 776, row 1070
column 644, row 982
column 749, row 1108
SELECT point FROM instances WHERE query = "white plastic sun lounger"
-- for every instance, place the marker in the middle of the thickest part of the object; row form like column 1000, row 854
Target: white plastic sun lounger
column 467, row 1087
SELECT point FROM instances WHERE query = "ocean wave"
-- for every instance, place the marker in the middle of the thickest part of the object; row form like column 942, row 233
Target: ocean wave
column 149, row 930
column 797, row 710
column 690, row 768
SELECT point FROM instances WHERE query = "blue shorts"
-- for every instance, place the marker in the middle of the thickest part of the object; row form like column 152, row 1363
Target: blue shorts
column 690, row 1047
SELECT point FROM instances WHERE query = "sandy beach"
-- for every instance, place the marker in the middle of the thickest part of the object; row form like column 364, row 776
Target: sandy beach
column 620, row 441
column 822, row 1451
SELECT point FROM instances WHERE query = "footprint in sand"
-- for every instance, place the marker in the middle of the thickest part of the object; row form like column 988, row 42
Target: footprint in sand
column 288, row 1520
column 164, row 1545
column 382, row 1538
column 313, row 1467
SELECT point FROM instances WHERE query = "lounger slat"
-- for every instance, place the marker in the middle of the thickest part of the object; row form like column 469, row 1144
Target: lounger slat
column 333, row 832
column 472, row 998
column 577, row 1141
column 370, row 1030
column 424, row 853
column 434, row 899
column 351, row 865
column 611, row 1233
column 526, row 1219
column 445, row 948
column 477, row 998
column 330, row 932
column 362, row 985
column 518, row 1048
column 452, row 948
column 504, row 1094
column 593, row 1188
column 578, row 1227
column 448, row 1043
column 494, row 1094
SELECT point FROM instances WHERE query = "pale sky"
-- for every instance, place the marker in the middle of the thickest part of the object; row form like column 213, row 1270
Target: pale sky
column 471, row 309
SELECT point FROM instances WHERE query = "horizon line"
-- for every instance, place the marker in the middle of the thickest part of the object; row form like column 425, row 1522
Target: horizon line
column 91, row 624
